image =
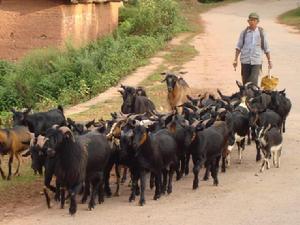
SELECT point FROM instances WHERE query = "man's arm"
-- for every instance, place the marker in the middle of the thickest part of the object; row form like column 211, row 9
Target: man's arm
column 238, row 50
column 237, row 53
column 267, row 51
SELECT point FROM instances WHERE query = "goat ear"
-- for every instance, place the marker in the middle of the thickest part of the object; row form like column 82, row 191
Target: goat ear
column 27, row 111
column 189, row 98
column 122, row 86
column 183, row 72
column 13, row 110
column 172, row 127
column 67, row 132
column 121, row 92
column 163, row 73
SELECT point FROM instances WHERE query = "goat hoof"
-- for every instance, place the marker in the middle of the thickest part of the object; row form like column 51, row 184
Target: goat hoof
column 101, row 200
column 205, row 178
column 258, row 158
column 131, row 198
column 137, row 192
column 178, row 176
column 195, row 185
column 142, row 202
column 72, row 210
column 156, row 196
column 117, row 194
column 8, row 178
column 83, row 200
column 108, row 193
column 216, row 183
column 91, row 206
column 169, row 191
column 186, row 172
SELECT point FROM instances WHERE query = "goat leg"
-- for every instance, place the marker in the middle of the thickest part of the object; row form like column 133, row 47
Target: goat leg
column 101, row 188
column 18, row 167
column 10, row 161
column 187, row 164
column 1, row 170
column 208, row 169
column 86, row 191
column 117, row 171
column 143, row 185
column 215, row 169
column 196, row 170
column 124, row 177
column 158, row 188
column 45, row 190
column 171, row 173
column 62, row 197
column 134, row 180
column 152, row 180
column 258, row 154
column 164, row 183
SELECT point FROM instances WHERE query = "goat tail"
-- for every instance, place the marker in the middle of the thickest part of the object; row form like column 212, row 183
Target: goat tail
column 59, row 107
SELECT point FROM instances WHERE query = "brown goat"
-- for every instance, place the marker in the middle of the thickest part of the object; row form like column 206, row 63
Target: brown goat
column 178, row 90
column 12, row 142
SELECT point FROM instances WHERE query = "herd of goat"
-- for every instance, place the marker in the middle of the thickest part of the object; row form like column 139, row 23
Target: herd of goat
column 81, row 155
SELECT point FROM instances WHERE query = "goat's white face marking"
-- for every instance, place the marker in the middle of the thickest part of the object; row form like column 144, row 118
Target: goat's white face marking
column 146, row 123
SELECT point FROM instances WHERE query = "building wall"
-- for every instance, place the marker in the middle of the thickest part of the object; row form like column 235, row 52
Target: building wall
column 31, row 24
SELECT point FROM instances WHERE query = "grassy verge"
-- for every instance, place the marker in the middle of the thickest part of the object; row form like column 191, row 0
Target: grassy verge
column 291, row 18
column 48, row 77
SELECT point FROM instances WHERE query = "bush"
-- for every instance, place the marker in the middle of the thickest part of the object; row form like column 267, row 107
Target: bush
column 47, row 77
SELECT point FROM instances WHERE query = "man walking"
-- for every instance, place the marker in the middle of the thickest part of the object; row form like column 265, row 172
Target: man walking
column 251, row 45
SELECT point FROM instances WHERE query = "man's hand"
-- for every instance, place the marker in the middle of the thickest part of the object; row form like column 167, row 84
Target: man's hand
column 270, row 64
column 234, row 64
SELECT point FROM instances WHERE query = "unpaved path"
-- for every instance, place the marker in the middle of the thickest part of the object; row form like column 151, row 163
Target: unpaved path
column 241, row 198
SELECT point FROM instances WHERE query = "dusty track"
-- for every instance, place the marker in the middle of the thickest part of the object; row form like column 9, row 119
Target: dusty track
column 242, row 197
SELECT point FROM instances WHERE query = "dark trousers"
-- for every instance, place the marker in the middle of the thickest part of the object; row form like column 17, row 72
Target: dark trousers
column 250, row 73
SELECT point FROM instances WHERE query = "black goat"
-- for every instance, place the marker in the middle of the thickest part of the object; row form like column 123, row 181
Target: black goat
column 270, row 139
column 39, row 123
column 135, row 101
column 156, row 153
column 79, row 160
column 206, row 147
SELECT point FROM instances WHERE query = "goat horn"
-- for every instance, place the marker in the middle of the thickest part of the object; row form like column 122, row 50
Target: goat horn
column 55, row 126
column 64, row 129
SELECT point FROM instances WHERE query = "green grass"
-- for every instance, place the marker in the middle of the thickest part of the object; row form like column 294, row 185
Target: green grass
column 291, row 18
column 48, row 77
column 178, row 55
column 26, row 174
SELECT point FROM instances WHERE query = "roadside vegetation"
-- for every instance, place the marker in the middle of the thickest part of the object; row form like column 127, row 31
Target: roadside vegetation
column 48, row 77
column 291, row 18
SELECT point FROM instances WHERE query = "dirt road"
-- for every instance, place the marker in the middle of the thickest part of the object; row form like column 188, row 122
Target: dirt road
column 241, row 198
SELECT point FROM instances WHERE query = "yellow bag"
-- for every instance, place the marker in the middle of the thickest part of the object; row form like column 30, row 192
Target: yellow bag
column 269, row 83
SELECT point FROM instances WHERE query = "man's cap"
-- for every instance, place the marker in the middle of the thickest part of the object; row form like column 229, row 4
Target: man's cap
column 253, row 15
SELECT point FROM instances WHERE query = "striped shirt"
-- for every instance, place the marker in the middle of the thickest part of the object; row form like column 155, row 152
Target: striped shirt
column 251, row 52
